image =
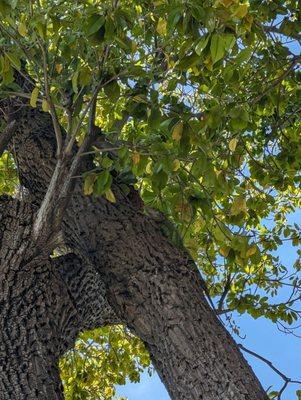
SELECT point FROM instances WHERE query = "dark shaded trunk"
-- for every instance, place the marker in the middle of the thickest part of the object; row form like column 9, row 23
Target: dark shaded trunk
column 150, row 283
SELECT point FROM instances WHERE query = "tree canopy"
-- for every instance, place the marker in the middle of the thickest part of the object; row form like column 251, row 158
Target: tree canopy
column 198, row 106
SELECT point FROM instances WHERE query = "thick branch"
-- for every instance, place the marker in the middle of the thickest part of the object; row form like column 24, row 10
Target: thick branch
column 151, row 284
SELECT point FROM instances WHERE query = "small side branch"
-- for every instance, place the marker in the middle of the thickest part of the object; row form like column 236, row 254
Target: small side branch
column 285, row 378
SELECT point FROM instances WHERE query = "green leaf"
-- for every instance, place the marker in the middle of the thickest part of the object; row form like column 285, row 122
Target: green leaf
column 103, row 182
column 5, row 7
column 112, row 90
column 94, row 23
column 229, row 41
column 217, row 47
column 15, row 60
column 154, row 118
column 75, row 81
column 159, row 180
column 202, row 43
column 244, row 55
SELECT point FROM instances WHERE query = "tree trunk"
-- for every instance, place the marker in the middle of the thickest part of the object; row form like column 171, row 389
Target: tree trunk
column 150, row 283
column 44, row 304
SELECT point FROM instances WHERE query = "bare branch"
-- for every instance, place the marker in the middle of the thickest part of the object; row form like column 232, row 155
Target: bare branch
column 274, row 29
column 47, row 224
column 55, row 121
column 224, row 294
column 285, row 378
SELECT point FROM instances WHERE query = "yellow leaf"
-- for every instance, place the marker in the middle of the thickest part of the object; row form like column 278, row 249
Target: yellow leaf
column 162, row 26
column 34, row 97
column 45, row 105
column 241, row 10
column 58, row 68
column 251, row 250
column 249, row 269
column 239, row 205
column 177, row 131
column 89, row 184
column 136, row 158
column 110, row 196
column 176, row 164
column 148, row 168
column 225, row 251
column 232, row 144
column 22, row 29
column 109, row 392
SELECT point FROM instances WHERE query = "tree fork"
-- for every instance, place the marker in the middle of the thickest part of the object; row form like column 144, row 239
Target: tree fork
column 151, row 284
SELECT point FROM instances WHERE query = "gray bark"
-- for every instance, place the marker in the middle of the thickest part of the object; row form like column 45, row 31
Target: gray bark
column 150, row 284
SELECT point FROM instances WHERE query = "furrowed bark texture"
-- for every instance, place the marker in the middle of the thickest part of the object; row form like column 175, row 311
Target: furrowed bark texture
column 151, row 284
column 44, row 303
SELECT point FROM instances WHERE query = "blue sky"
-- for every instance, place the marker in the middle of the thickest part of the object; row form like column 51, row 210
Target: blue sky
column 262, row 336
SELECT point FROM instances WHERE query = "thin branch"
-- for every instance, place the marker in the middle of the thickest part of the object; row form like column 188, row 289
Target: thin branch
column 51, row 212
column 285, row 378
column 278, row 80
column 55, row 121
column 26, row 96
column 90, row 104
column 224, row 294
column 274, row 29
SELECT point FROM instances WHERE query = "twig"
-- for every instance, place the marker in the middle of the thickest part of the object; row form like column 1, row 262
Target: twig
column 285, row 378
column 224, row 294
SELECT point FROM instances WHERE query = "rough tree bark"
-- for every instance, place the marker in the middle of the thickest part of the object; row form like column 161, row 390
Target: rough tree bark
column 44, row 304
column 120, row 256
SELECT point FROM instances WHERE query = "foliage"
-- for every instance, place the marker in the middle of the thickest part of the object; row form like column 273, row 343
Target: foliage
column 200, row 102
column 8, row 175
column 101, row 359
